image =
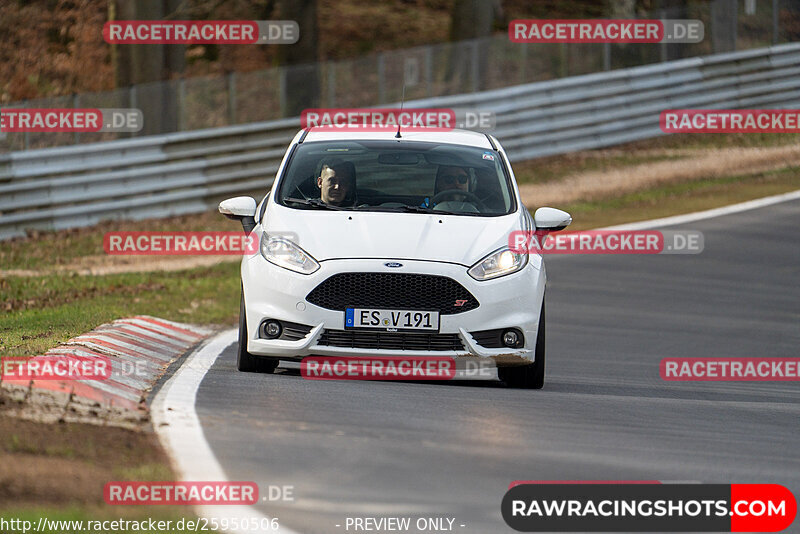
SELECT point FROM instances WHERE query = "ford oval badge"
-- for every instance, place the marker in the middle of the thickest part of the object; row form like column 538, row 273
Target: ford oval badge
column 393, row 264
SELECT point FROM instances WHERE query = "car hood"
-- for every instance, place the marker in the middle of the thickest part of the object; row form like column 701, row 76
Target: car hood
column 330, row 235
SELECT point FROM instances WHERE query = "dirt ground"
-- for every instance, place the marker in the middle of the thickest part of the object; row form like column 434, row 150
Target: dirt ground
column 68, row 464
column 101, row 265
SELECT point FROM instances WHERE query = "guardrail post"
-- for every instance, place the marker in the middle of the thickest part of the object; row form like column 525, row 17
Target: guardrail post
column 231, row 98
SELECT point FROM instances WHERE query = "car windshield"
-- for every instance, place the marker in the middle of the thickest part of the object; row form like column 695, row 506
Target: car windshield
column 412, row 177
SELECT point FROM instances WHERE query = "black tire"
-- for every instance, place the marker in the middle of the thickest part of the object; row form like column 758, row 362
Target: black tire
column 245, row 361
column 527, row 376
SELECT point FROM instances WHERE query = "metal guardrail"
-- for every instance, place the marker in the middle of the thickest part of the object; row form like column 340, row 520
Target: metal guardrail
column 189, row 172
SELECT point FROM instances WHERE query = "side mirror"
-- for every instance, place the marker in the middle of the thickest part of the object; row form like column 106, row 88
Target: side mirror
column 242, row 209
column 551, row 219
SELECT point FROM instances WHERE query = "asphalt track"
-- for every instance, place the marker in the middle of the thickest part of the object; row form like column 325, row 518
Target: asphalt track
column 374, row 449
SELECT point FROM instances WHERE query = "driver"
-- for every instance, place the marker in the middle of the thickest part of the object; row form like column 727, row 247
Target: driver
column 336, row 182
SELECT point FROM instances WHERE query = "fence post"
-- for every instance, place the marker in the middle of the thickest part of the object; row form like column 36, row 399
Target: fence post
column 231, row 98
column 132, row 100
column 381, row 78
column 475, row 76
column 331, row 83
column 775, row 22
column 282, row 90
column 523, row 61
column 429, row 70
column 181, row 104
column 76, row 136
column 26, row 137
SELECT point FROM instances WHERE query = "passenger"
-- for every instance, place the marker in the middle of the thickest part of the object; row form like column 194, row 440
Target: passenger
column 451, row 177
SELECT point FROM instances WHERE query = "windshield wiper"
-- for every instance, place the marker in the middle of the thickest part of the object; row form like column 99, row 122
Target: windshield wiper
column 414, row 209
column 396, row 209
column 313, row 202
column 433, row 211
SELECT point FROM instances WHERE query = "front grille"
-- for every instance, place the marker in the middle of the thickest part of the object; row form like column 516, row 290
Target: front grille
column 364, row 339
column 400, row 291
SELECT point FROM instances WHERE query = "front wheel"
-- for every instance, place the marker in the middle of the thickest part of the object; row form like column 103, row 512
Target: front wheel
column 529, row 376
column 245, row 361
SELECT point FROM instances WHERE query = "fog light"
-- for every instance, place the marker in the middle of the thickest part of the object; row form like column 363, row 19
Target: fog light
column 510, row 338
column 272, row 329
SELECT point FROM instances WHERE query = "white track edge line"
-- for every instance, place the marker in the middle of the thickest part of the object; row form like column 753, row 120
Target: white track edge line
column 178, row 428
column 708, row 214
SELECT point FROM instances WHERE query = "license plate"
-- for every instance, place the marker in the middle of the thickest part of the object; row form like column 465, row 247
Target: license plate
column 391, row 320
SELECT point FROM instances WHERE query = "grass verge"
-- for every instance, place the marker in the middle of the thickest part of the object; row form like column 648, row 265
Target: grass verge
column 41, row 312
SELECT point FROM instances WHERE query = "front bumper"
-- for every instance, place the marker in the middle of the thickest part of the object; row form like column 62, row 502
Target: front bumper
column 271, row 292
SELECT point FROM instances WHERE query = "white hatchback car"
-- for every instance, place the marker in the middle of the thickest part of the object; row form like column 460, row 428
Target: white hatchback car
column 374, row 245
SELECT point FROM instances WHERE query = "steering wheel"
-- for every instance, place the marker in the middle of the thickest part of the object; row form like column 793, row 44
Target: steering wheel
column 468, row 197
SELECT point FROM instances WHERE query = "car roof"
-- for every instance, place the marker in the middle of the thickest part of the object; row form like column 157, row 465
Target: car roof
column 453, row 137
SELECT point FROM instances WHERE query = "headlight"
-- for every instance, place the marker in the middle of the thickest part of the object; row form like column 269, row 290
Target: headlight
column 284, row 253
column 498, row 263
